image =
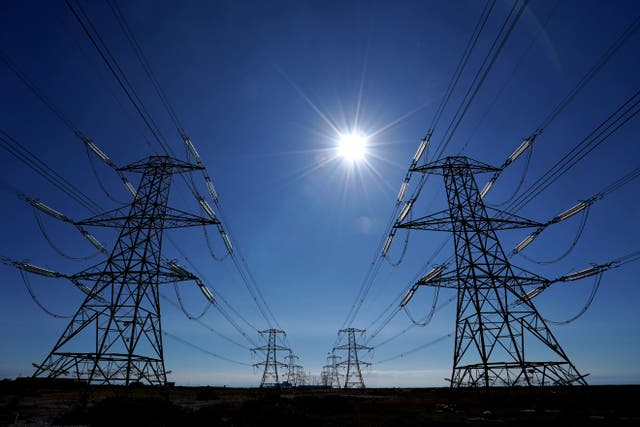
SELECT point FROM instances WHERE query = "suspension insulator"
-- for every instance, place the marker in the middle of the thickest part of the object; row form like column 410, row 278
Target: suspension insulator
column 587, row 272
column 571, row 211
column 206, row 292
column 405, row 210
column 191, row 148
column 525, row 144
column 130, row 187
column 42, row 271
column 409, row 295
column 180, row 271
column 430, row 276
column 530, row 295
column 95, row 242
column 403, row 189
column 212, row 190
column 48, row 210
column 206, row 208
column 387, row 243
column 487, row 187
column 98, row 152
column 421, row 148
column 226, row 240
column 526, row 242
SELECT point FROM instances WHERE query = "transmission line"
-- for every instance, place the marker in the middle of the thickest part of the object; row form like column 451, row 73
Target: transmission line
column 27, row 157
column 202, row 350
column 387, row 237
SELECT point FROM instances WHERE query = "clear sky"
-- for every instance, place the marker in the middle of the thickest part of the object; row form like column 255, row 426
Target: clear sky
column 264, row 89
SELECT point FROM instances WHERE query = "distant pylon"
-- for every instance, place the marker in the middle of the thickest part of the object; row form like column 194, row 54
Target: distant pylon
column 292, row 369
column 353, row 376
column 115, row 337
column 270, row 377
column 333, row 371
column 496, row 320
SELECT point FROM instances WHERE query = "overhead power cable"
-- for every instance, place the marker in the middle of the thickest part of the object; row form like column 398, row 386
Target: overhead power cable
column 35, row 299
column 203, row 350
column 487, row 64
column 602, row 61
column 481, row 75
column 27, row 157
column 413, row 350
column 616, row 120
column 57, row 111
column 110, row 61
column 120, row 76
column 587, row 305
column 55, row 247
column 205, row 325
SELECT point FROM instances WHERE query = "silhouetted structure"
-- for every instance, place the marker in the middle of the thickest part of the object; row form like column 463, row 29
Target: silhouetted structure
column 270, row 377
column 115, row 337
column 353, row 376
column 500, row 338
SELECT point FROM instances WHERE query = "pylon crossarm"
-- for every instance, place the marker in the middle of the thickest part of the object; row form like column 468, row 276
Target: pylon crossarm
column 439, row 167
column 441, row 221
column 173, row 218
column 172, row 164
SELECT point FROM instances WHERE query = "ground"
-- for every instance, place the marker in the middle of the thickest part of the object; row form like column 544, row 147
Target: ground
column 24, row 402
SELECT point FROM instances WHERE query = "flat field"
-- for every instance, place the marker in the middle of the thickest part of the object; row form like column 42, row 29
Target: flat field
column 61, row 403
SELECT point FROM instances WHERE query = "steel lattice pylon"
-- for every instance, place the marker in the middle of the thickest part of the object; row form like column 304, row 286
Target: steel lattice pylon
column 115, row 337
column 353, row 376
column 495, row 319
column 331, row 373
column 292, row 370
column 270, row 377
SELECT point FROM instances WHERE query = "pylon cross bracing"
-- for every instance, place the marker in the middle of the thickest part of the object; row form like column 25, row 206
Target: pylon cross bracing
column 353, row 376
column 500, row 338
column 115, row 336
column 270, row 375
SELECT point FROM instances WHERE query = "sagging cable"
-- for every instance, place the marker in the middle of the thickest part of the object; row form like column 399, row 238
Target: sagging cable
column 587, row 305
column 210, row 246
column 184, row 309
column 55, row 247
column 35, row 299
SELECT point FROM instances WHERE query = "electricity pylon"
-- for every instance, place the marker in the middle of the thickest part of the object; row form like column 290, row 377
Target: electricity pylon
column 292, row 369
column 271, row 364
column 332, row 372
column 496, row 320
column 115, row 337
column 353, row 377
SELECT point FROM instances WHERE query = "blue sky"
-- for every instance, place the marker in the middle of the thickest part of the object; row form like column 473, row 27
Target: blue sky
column 255, row 85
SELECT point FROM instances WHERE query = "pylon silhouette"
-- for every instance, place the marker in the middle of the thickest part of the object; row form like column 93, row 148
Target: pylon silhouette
column 115, row 337
column 353, row 376
column 496, row 320
column 270, row 376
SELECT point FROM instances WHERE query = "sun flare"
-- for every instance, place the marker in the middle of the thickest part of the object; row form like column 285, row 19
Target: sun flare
column 352, row 147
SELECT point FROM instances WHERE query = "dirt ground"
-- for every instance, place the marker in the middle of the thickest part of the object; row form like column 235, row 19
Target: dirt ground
column 28, row 403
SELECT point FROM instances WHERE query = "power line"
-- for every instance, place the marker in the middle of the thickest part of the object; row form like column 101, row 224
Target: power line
column 202, row 350
column 27, row 157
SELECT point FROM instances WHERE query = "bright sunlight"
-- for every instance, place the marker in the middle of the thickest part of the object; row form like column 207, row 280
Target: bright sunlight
column 352, row 146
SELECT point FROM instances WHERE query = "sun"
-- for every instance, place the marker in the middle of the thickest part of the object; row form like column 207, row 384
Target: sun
column 352, row 146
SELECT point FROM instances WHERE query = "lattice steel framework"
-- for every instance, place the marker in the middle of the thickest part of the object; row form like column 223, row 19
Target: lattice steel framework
column 496, row 320
column 270, row 377
column 115, row 337
column 353, row 376
column 293, row 369
column 331, row 371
